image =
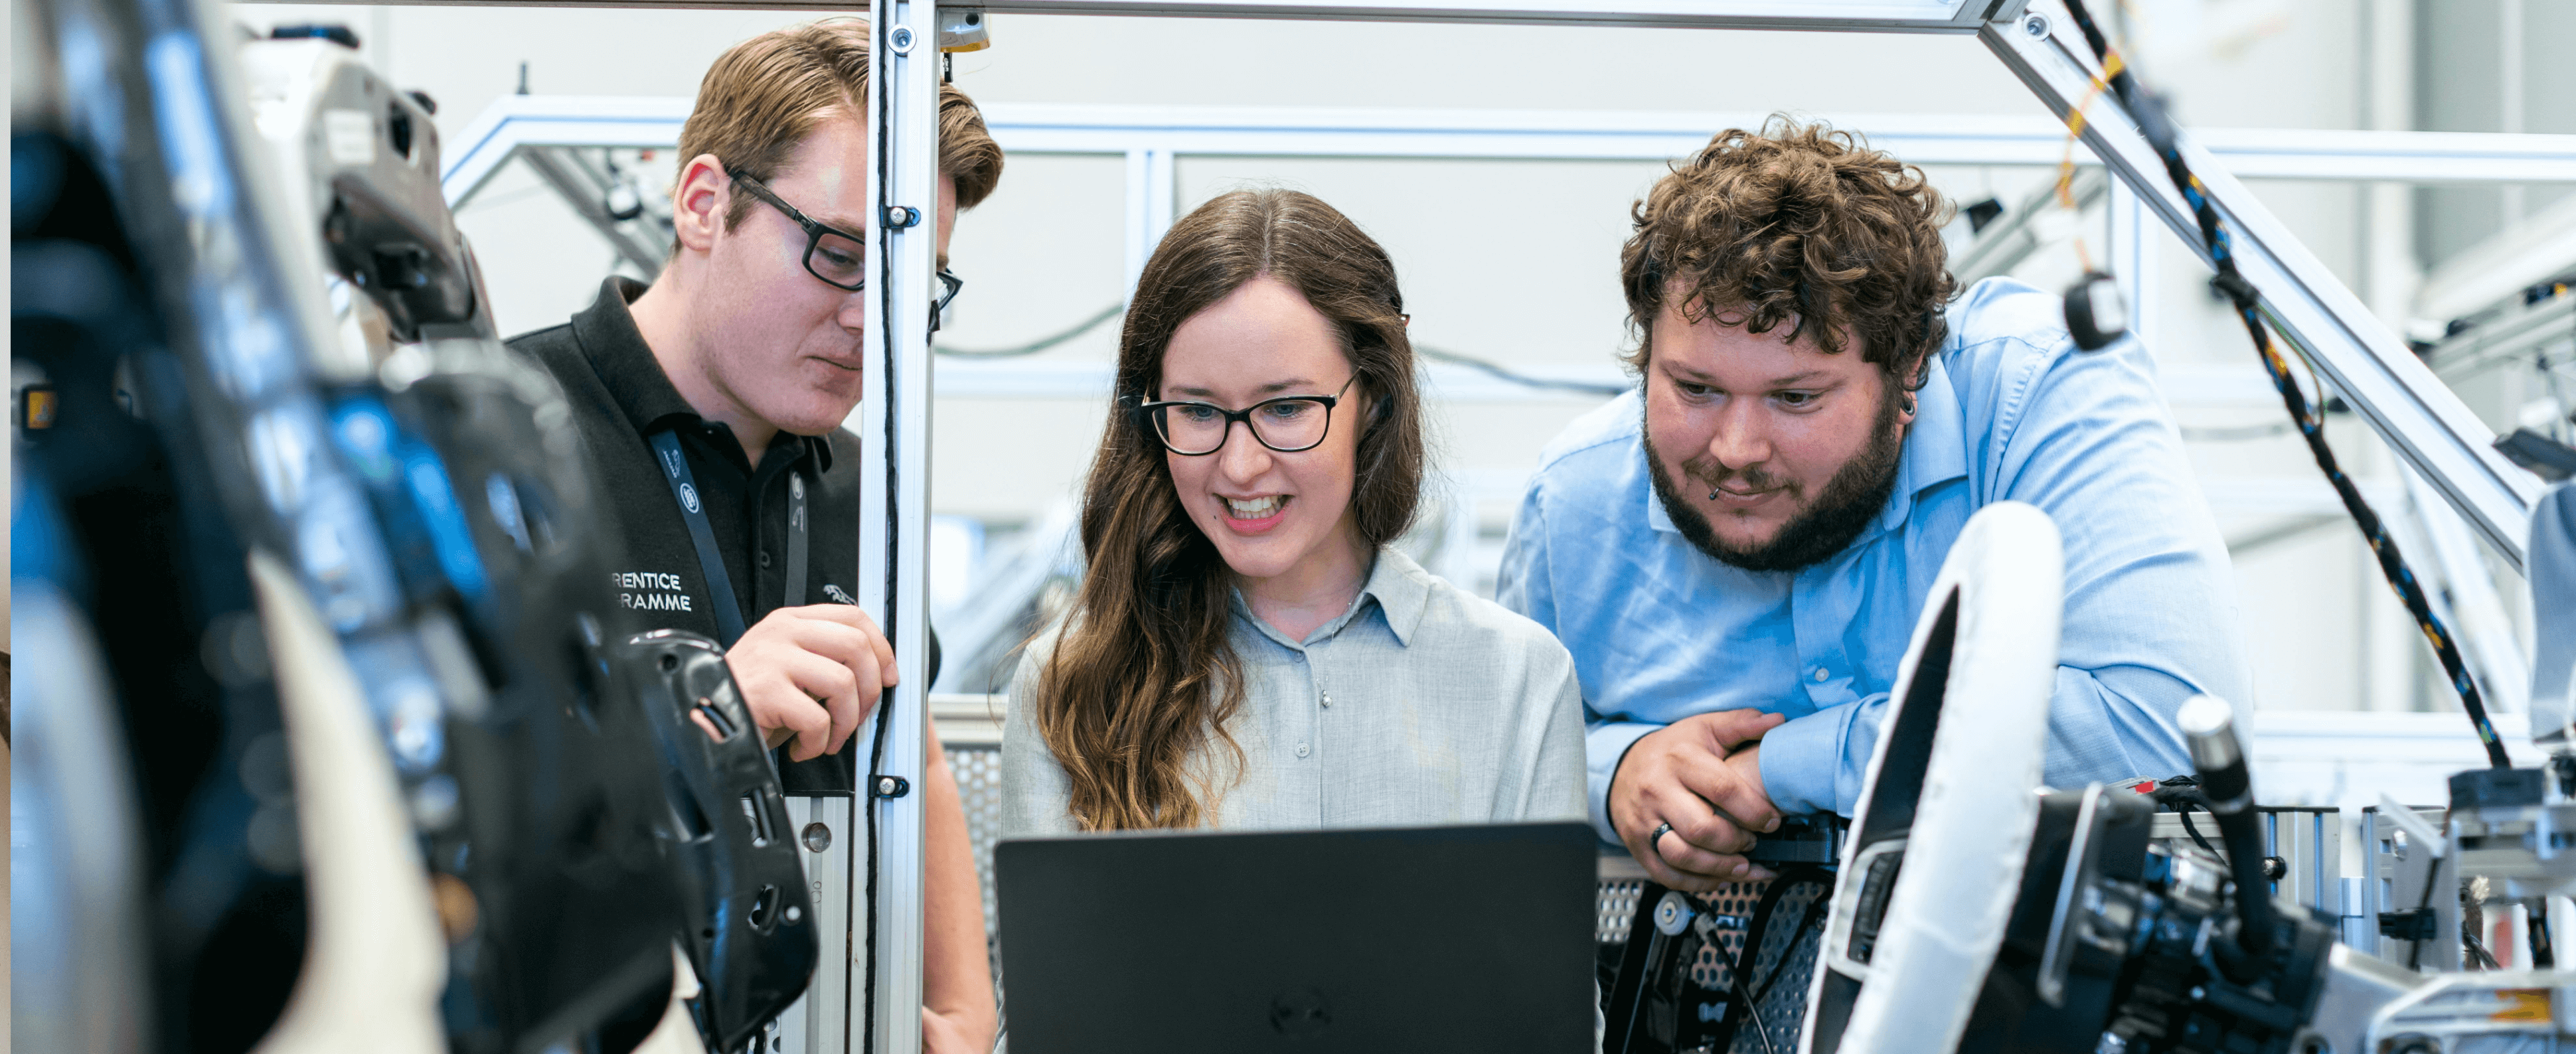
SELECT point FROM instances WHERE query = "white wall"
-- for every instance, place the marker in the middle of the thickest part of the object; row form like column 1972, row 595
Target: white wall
column 1510, row 261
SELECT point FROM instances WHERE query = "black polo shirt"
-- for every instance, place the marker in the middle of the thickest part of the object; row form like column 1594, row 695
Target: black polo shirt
column 620, row 399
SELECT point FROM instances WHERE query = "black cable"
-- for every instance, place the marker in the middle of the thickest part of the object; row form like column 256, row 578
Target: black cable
column 1755, row 935
column 1815, row 912
column 2415, row 945
column 1754, row 1010
column 866, row 797
column 1500, row 372
column 1487, row 367
column 2184, row 811
column 2148, row 115
column 2544, row 949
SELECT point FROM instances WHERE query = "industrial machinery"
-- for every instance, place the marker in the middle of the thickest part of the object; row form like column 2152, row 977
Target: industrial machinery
column 2065, row 927
column 1971, row 913
column 327, row 746
column 394, row 789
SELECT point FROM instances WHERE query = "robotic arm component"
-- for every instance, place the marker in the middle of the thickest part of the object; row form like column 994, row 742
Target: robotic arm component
column 367, row 156
column 481, row 485
column 748, row 916
column 1918, row 920
column 1974, row 915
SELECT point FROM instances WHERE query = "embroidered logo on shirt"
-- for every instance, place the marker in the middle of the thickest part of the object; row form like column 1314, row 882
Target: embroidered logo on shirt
column 836, row 593
column 650, row 591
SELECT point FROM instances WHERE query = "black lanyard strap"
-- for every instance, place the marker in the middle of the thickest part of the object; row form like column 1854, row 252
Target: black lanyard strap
column 795, row 540
column 684, row 489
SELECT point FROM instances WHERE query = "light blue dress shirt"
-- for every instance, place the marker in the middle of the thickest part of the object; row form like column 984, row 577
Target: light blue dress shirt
column 2012, row 410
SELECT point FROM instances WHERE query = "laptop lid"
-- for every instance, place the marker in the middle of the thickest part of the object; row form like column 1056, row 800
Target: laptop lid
column 1398, row 939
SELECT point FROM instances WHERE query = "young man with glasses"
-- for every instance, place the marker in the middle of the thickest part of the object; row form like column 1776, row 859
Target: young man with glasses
column 711, row 405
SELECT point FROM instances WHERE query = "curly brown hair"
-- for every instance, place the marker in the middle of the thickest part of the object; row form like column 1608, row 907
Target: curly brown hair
column 1796, row 221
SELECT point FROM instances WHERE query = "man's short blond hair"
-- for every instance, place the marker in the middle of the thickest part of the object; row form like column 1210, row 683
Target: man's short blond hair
column 765, row 95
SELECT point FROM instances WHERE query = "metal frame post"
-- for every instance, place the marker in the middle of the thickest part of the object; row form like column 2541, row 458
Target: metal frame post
column 2131, row 255
column 894, row 423
column 2420, row 418
column 1153, row 192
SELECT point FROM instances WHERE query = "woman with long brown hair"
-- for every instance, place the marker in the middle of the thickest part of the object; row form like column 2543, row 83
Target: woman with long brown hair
column 1246, row 650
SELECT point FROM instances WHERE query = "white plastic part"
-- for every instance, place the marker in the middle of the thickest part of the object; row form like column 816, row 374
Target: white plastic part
column 1975, row 807
column 376, row 962
column 677, row 1032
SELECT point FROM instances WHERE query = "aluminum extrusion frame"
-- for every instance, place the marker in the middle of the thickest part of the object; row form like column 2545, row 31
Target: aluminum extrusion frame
column 2420, row 418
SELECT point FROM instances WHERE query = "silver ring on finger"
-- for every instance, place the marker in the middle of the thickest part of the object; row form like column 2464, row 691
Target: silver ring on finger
column 1655, row 841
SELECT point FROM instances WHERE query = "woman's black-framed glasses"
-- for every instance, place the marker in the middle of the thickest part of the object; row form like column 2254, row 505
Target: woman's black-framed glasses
column 836, row 256
column 1287, row 424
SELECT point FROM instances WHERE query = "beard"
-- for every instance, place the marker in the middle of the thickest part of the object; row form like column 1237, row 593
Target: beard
column 1828, row 523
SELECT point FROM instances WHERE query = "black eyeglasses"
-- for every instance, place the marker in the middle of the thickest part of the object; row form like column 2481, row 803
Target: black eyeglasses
column 838, row 257
column 1286, row 424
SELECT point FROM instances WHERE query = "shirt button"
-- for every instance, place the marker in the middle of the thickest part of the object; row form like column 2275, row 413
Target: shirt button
column 1820, row 671
column 1328, row 698
column 764, row 562
column 1301, row 748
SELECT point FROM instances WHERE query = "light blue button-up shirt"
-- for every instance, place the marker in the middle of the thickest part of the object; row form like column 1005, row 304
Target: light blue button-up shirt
column 2011, row 410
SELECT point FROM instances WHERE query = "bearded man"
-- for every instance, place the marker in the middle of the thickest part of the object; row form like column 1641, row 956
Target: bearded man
column 1736, row 551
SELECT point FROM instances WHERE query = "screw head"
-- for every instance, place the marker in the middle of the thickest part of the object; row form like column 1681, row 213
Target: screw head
column 817, row 837
column 2036, row 25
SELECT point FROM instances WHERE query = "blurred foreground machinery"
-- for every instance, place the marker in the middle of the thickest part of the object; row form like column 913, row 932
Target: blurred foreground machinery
column 1970, row 914
column 327, row 751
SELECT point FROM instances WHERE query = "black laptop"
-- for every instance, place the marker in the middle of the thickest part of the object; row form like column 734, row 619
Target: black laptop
column 1399, row 939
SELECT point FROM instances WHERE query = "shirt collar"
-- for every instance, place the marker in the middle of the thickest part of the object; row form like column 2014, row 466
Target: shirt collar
column 1401, row 588
column 626, row 366
column 1936, row 445
column 1935, row 452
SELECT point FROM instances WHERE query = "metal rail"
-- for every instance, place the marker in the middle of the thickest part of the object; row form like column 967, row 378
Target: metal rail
column 2427, row 425
column 894, row 422
column 1863, row 16
column 2520, row 333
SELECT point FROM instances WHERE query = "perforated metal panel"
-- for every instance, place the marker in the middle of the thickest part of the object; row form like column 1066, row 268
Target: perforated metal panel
column 1780, row 971
column 1616, row 910
column 978, row 769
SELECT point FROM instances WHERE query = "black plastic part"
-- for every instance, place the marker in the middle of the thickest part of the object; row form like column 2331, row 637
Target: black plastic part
column 1983, row 213
column 2491, row 788
column 2410, row 924
column 889, row 787
column 337, row 34
column 2096, row 314
column 2010, row 1015
column 1801, row 840
column 747, row 919
column 2230, row 791
column 147, row 554
column 559, row 838
column 2542, row 456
